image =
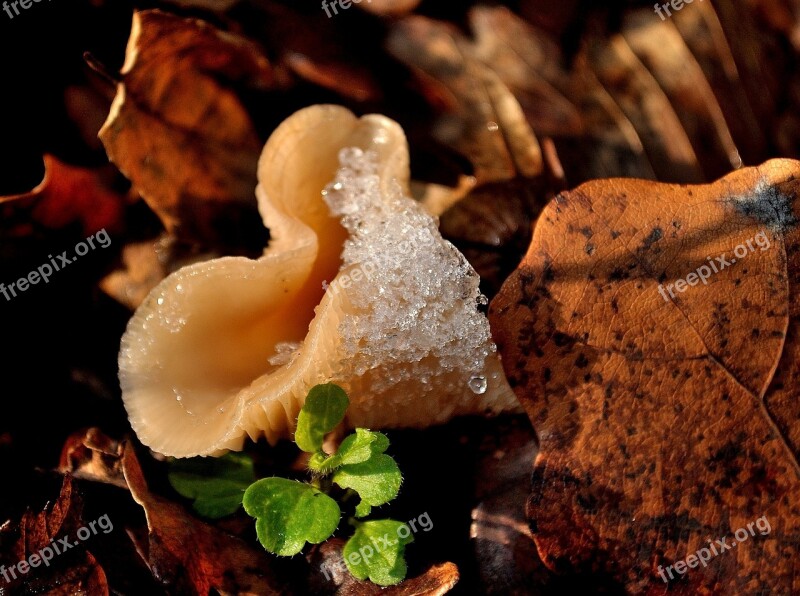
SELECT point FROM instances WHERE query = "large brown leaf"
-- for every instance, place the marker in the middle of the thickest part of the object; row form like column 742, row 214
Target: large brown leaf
column 667, row 421
column 179, row 130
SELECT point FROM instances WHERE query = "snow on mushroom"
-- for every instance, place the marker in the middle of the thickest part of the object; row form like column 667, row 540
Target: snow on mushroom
column 228, row 348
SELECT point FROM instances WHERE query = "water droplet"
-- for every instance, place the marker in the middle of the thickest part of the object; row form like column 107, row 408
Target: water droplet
column 483, row 300
column 179, row 288
column 478, row 384
column 221, row 410
column 492, row 126
column 338, row 186
column 160, row 301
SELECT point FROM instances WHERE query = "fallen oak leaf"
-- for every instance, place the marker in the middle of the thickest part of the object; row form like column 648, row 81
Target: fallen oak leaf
column 219, row 6
column 178, row 130
column 664, row 424
column 68, row 194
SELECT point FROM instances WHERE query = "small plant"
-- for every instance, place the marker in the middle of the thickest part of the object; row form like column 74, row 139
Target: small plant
column 291, row 513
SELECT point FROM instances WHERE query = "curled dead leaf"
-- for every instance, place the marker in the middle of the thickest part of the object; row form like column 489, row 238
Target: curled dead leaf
column 666, row 410
column 66, row 195
column 71, row 572
column 179, row 131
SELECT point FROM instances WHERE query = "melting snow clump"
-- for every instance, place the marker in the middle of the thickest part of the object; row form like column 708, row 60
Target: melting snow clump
column 418, row 298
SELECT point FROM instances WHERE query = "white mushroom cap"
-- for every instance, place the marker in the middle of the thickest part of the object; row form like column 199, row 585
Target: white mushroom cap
column 204, row 362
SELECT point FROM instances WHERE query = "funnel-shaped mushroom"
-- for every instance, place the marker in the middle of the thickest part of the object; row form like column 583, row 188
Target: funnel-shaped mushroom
column 229, row 348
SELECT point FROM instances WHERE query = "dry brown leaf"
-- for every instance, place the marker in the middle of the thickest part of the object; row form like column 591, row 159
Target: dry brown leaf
column 182, row 552
column 488, row 125
column 593, row 136
column 91, row 455
column 703, row 34
column 664, row 424
column 659, row 46
column 178, row 130
column 761, row 64
column 214, row 5
column 506, row 555
column 644, row 103
column 71, row 572
column 67, row 194
column 194, row 557
column 191, row 556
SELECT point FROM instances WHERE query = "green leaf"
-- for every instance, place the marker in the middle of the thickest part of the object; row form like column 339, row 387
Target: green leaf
column 216, row 485
column 377, row 481
column 362, row 445
column 376, row 551
column 290, row 513
column 323, row 411
column 355, row 449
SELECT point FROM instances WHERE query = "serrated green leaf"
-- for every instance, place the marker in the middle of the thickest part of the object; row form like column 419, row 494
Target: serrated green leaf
column 323, row 410
column 290, row 513
column 216, row 485
column 362, row 445
column 376, row 551
column 377, row 481
column 355, row 448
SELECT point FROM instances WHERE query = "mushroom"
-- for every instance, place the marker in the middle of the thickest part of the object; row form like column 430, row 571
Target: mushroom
column 356, row 287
